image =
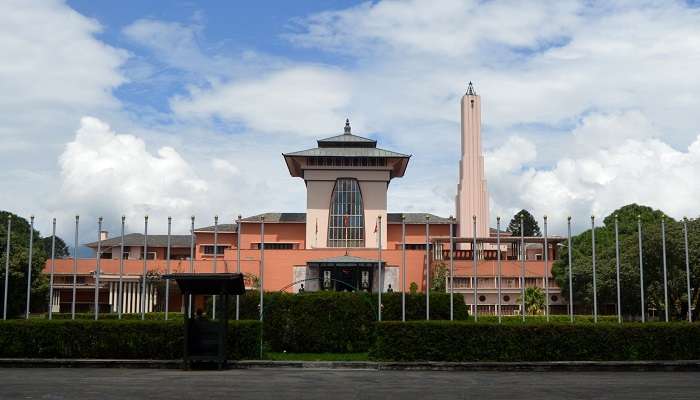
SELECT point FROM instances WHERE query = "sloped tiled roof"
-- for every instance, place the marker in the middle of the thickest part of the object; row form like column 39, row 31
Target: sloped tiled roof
column 346, row 152
column 416, row 218
column 278, row 218
column 221, row 228
column 136, row 239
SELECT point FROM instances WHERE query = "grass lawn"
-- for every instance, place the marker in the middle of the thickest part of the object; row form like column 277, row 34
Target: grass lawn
column 317, row 356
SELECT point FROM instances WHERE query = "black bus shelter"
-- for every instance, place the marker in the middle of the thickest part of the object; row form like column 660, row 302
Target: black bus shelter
column 205, row 339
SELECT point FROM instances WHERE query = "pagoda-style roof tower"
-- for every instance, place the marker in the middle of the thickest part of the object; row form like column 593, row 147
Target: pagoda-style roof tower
column 346, row 150
column 347, row 178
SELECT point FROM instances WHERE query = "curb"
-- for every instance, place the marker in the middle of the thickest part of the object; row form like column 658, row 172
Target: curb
column 554, row 366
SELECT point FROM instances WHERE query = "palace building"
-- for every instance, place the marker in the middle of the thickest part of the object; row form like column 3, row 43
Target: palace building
column 339, row 243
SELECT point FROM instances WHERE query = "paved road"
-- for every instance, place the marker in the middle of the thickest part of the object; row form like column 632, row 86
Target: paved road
column 86, row 383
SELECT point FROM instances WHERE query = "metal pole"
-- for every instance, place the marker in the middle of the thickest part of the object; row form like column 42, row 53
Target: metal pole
column 452, row 268
column 546, row 271
column 216, row 255
column 523, row 255
column 75, row 267
column 98, row 269
column 167, row 269
column 571, row 281
column 687, row 266
column 238, row 261
column 617, row 271
column 7, row 266
column 663, row 251
column 498, row 262
column 641, row 266
column 53, row 266
column 380, row 285
column 120, row 295
column 403, row 268
column 145, row 267
column 427, row 268
column 595, row 291
column 29, row 265
column 262, row 263
column 189, row 297
column 475, row 284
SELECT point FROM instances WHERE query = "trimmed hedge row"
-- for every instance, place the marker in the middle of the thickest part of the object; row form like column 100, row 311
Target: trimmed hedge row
column 339, row 322
column 463, row 341
column 154, row 316
column 158, row 340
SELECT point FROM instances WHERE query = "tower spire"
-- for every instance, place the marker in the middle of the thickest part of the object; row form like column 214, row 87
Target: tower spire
column 470, row 89
column 347, row 126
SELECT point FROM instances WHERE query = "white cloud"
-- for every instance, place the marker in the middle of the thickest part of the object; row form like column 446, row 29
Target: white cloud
column 306, row 100
column 104, row 173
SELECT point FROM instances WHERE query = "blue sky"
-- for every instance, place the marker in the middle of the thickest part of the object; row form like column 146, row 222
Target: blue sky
column 181, row 108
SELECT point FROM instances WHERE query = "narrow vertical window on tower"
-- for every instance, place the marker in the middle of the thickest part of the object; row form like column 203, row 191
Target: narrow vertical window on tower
column 346, row 219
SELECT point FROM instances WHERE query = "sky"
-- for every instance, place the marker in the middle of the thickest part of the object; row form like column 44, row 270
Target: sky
column 179, row 108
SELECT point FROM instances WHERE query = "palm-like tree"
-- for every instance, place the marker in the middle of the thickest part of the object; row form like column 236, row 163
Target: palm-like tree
column 534, row 300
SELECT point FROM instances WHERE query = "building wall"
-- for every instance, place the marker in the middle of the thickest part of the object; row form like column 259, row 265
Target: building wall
column 319, row 189
column 415, row 234
column 274, row 232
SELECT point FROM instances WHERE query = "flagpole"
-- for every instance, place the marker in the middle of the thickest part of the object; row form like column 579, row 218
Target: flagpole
column 523, row 255
column 687, row 266
column 145, row 267
column 216, row 255
column 595, row 291
column 452, row 268
column 641, row 266
column 189, row 299
column 379, row 268
column 617, row 270
column 29, row 265
column 498, row 262
column 238, row 261
column 262, row 263
column 403, row 268
column 427, row 268
column 546, row 271
column 167, row 269
column 75, row 267
column 53, row 266
column 121, row 273
column 663, row 250
column 475, row 287
column 98, row 270
column 7, row 266
column 571, row 284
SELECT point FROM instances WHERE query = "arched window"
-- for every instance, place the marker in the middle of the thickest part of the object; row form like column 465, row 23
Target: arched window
column 346, row 219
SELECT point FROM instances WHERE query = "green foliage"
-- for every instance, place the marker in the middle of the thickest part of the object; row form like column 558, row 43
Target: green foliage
column 152, row 316
column 19, row 258
column 439, row 278
column 61, row 248
column 530, row 225
column 629, row 263
column 320, row 322
column 534, row 300
column 461, row 341
column 159, row 340
column 413, row 288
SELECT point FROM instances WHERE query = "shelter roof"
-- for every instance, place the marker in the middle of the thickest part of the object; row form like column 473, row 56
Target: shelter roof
column 136, row 239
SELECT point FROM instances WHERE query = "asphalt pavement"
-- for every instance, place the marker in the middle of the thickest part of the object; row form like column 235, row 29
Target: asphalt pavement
column 267, row 383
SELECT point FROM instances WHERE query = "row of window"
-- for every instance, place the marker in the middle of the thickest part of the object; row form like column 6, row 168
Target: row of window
column 346, row 161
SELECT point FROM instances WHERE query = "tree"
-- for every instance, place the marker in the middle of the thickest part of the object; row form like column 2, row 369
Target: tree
column 439, row 277
column 413, row 288
column 19, row 258
column 606, row 277
column 61, row 250
column 534, row 300
column 530, row 225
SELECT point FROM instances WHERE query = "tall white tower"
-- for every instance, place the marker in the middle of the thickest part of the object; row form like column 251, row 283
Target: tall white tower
column 472, row 195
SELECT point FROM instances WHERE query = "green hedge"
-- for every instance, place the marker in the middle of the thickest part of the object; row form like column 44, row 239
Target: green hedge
column 340, row 322
column 464, row 341
column 160, row 340
column 112, row 316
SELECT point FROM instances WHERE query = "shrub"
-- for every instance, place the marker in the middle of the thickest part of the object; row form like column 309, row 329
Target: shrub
column 112, row 316
column 343, row 322
column 113, row 339
column 463, row 341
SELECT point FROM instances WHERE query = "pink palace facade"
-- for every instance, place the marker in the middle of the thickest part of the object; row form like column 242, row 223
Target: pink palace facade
column 335, row 244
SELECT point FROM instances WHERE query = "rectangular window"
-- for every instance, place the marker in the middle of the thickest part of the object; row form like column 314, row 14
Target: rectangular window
column 277, row 246
column 209, row 249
